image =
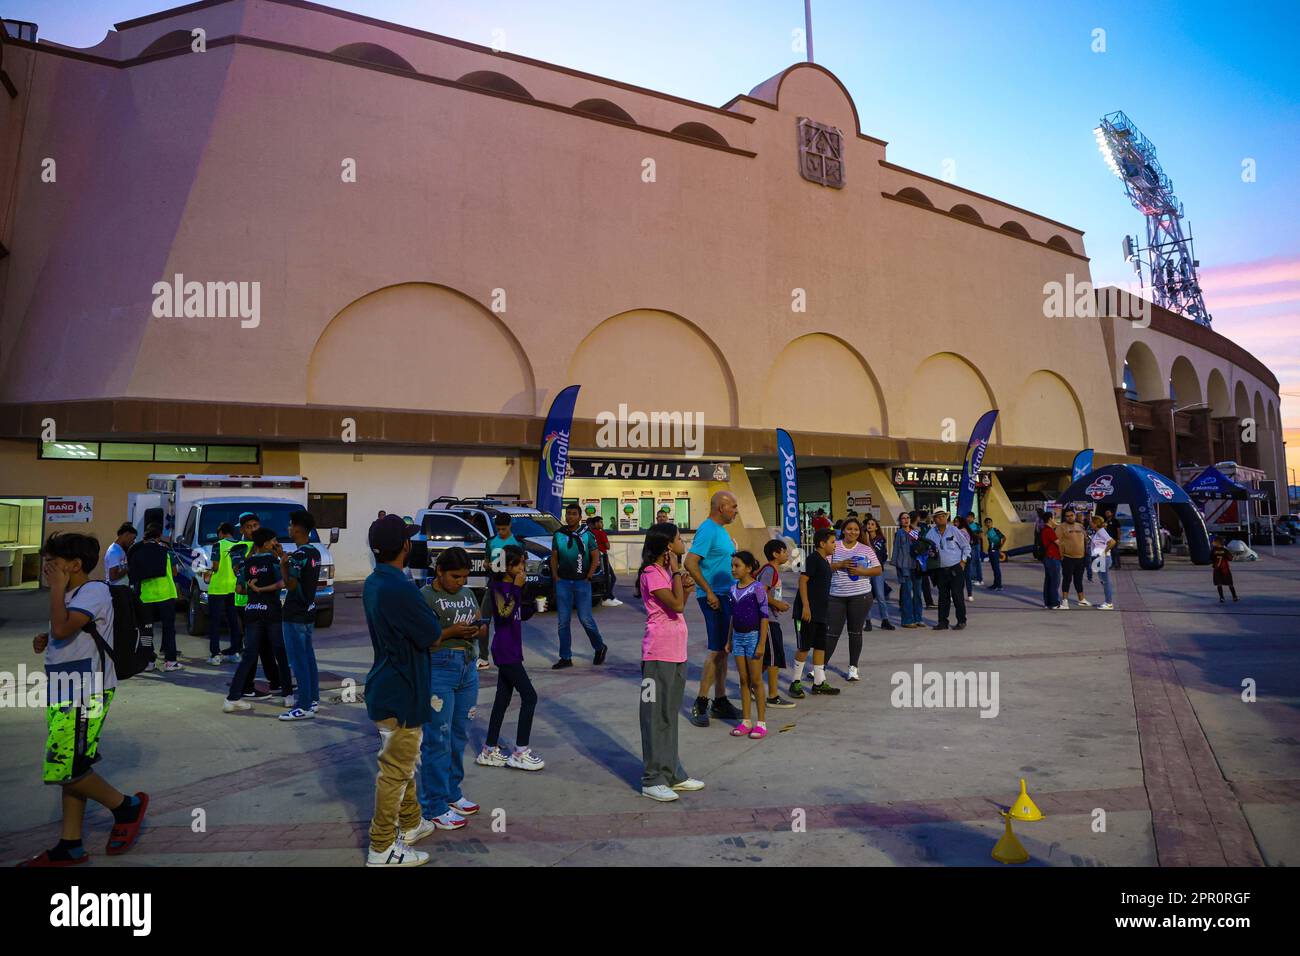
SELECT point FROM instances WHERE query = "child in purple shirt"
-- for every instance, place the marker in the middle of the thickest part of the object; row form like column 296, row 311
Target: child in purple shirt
column 504, row 601
column 749, row 617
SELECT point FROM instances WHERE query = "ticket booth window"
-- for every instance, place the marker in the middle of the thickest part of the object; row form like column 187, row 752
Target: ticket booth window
column 682, row 513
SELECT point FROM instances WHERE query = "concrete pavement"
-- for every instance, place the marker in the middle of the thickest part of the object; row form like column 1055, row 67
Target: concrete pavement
column 1136, row 712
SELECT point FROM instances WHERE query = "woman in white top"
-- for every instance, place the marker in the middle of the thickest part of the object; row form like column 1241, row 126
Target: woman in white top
column 854, row 565
column 1100, row 546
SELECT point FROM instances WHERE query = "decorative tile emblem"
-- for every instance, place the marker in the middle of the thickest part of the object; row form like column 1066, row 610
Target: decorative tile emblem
column 821, row 153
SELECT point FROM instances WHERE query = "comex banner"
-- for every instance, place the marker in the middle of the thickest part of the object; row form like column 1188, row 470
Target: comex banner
column 789, row 476
column 555, row 452
column 970, row 467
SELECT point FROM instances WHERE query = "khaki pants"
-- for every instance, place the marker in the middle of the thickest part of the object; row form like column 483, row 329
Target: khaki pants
column 396, row 802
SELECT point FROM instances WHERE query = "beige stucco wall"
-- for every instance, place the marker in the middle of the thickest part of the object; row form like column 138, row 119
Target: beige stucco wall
column 464, row 269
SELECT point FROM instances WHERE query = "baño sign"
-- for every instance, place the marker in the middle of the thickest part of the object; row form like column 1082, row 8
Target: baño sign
column 78, row 508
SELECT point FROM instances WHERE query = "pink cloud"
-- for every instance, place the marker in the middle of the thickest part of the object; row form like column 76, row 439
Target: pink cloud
column 1249, row 274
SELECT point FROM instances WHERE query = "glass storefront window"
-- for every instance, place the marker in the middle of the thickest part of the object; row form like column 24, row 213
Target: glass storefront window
column 180, row 453
column 70, row 449
column 125, row 451
column 239, row 454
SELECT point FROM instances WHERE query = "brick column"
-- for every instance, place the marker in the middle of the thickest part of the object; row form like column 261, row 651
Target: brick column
column 1202, row 444
column 1162, row 436
column 1231, row 426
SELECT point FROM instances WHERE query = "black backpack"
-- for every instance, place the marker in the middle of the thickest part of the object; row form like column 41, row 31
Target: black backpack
column 1040, row 550
column 147, row 560
column 132, row 651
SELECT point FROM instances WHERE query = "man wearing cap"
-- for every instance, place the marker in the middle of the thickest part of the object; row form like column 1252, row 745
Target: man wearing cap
column 402, row 629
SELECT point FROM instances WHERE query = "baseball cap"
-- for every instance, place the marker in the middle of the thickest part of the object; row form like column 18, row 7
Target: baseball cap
column 388, row 533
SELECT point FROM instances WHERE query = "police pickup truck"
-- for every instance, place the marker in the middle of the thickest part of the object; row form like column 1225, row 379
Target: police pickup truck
column 191, row 507
column 469, row 523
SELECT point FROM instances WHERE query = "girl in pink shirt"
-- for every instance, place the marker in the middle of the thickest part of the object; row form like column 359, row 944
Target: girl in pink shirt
column 664, row 587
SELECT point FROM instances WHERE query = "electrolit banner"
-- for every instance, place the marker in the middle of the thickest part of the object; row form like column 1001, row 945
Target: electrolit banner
column 789, row 477
column 554, row 462
column 970, row 466
column 1082, row 464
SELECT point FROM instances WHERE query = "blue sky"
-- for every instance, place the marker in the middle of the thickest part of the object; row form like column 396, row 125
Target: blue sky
column 1008, row 91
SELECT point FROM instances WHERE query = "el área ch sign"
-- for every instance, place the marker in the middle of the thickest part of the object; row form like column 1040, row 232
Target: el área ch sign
column 624, row 469
column 942, row 478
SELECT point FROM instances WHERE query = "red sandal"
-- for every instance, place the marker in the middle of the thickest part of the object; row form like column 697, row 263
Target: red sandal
column 124, row 835
column 42, row 859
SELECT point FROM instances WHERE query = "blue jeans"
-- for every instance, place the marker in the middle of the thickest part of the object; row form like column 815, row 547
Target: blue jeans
column 1103, row 572
column 909, row 597
column 302, row 661
column 453, row 688
column 567, row 594
column 878, row 592
column 975, row 566
column 1051, row 582
column 995, row 563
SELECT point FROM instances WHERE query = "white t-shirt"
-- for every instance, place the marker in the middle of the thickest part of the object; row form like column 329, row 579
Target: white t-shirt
column 1099, row 541
column 115, row 557
column 841, row 584
column 72, row 665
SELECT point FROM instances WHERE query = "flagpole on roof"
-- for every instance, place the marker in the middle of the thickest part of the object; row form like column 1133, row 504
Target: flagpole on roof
column 807, row 27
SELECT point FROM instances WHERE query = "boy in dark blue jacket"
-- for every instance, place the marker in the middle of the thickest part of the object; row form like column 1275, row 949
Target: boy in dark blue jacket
column 402, row 629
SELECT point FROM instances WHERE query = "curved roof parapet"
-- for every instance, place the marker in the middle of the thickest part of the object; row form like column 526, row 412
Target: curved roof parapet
column 705, row 134
column 769, row 91
column 599, row 107
column 966, row 212
column 1057, row 242
column 498, row 82
column 373, row 53
column 1015, row 229
column 912, row 194
column 174, row 40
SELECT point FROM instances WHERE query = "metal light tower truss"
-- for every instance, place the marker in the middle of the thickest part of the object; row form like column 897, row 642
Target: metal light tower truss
column 1171, row 261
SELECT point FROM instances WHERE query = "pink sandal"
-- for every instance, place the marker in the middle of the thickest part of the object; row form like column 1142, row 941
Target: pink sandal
column 740, row 730
column 758, row 733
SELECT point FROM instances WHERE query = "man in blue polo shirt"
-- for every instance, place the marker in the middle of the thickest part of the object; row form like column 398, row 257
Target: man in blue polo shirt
column 709, row 563
column 953, row 547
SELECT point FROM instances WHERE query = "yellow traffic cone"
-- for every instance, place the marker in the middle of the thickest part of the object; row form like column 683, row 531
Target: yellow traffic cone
column 1024, row 808
column 1009, row 849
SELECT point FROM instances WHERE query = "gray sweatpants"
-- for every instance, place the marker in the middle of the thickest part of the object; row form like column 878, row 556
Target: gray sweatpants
column 662, row 685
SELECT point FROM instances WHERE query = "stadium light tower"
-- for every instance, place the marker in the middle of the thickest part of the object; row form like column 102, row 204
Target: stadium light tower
column 1171, row 262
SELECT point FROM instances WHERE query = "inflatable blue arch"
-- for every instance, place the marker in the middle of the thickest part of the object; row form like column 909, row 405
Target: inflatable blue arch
column 1144, row 490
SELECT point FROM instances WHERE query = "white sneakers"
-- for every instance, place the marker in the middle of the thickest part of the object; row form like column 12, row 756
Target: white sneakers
column 1084, row 602
column 418, row 832
column 1105, row 607
column 399, row 854
column 611, row 602
column 1064, row 605
column 465, row 807
column 171, row 667
column 216, row 660
column 297, row 713
column 525, row 759
column 234, row 706
column 853, row 673
column 666, row 794
column 451, row 820
column 520, row 758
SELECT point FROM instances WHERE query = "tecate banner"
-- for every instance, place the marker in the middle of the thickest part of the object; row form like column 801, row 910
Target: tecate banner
column 555, row 452
column 789, row 485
